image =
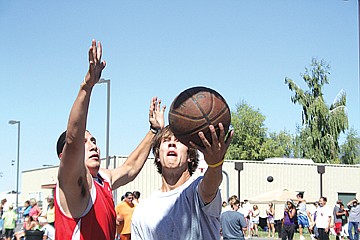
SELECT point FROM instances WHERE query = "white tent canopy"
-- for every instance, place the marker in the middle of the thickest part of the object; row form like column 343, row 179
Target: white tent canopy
column 278, row 196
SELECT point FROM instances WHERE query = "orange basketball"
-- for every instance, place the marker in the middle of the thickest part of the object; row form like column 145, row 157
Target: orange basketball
column 193, row 110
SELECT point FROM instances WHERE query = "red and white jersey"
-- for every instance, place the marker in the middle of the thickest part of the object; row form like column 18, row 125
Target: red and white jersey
column 97, row 222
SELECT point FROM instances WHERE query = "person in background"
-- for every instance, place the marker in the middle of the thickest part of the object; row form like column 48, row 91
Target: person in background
column 344, row 221
column 270, row 219
column 233, row 223
column 9, row 218
column 50, row 212
column 27, row 207
column 323, row 219
column 302, row 218
column 136, row 196
column 49, row 230
column 29, row 224
column 2, row 209
column 337, row 215
column 35, row 210
column 288, row 222
column 255, row 219
column 354, row 219
column 231, row 200
column 311, row 213
column 224, row 204
column 244, row 210
column 124, row 211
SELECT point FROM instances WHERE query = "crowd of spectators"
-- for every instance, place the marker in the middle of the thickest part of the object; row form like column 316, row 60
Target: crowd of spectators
column 319, row 218
column 31, row 219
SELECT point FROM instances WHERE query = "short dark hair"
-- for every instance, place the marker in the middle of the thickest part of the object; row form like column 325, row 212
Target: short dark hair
column 60, row 143
column 192, row 152
column 136, row 194
column 128, row 194
column 300, row 194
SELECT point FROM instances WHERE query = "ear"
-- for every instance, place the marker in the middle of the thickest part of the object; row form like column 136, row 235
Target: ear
column 60, row 155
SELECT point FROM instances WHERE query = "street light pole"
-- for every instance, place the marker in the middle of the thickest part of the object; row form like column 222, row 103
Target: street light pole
column 107, row 81
column 12, row 122
column 359, row 48
column 321, row 171
column 239, row 166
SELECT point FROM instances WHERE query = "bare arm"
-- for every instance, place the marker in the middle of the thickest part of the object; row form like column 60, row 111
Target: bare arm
column 349, row 204
column 214, row 155
column 328, row 225
column 136, row 160
column 292, row 213
column 272, row 211
column 73, row 177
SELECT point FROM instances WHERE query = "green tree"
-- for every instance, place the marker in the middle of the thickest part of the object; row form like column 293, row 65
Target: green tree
column 350, row 149
column 250, row 133
column 321, row 124
column 277, row 145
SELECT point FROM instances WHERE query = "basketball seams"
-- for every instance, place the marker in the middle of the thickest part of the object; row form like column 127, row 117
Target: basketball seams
column 197, row 108
column 204, row 115
column 206, row 124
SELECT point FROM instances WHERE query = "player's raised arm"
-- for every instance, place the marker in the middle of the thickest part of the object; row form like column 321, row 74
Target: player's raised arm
column 136, row 160
column 74, row 179
column 214, row 155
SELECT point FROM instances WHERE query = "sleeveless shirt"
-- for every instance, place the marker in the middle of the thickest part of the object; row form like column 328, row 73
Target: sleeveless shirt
column 97, row 222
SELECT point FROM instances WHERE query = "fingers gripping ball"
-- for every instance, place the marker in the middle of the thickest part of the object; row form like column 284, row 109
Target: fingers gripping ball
column 193, row 110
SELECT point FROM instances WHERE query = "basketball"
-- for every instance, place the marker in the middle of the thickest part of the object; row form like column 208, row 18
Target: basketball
column 193, row 110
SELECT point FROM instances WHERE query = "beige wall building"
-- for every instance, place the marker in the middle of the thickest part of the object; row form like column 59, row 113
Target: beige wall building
column 338, row 181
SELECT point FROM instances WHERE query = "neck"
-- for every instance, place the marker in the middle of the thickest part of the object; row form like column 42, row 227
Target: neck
column 93, row 172
column 171, row 181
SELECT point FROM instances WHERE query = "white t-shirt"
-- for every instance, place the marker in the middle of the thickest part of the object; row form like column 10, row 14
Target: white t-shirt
column 49, row 231
column 177, row 214
column 322, row 216
column 244, row 210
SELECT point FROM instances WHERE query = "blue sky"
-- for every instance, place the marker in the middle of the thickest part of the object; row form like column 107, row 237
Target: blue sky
column 244, row 49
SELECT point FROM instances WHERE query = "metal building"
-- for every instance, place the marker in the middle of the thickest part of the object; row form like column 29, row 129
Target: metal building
column 245, row 179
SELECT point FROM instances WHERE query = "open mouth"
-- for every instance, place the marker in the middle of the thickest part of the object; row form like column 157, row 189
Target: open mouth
column 172, row 154
column 95, row 155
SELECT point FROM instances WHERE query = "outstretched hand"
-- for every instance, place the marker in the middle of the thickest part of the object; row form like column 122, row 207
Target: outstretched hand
column 96, row 65
column 215, row 152
column 156, row 114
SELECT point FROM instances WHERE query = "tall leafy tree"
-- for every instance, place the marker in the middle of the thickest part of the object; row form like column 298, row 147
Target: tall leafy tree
column 350, row 149
column 250, row 133
column 321, row 124
column 277, row 145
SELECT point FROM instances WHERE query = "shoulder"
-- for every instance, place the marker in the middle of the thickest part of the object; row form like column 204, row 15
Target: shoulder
column 120, row 205
column 105, row 174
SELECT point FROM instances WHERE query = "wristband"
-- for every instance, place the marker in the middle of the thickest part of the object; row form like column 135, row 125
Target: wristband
column 216, row 164
column 155, row 131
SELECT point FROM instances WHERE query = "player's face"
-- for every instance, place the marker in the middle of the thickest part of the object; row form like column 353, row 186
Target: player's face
column 92, row 152
column 173, row 154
